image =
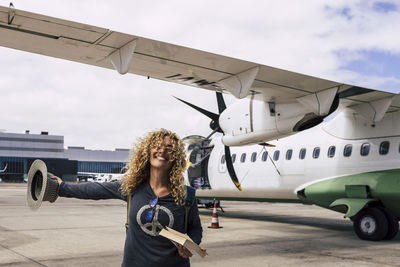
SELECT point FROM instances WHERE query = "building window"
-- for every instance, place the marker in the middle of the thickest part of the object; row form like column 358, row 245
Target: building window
column 243, row 157
column 364, row 151
column 331, row 151
column 14, row 165
column 264, row 156
column 253, row 157
column 316, row 152
column 276, row 155
column 233, row 158
column 347, row 150
column 100, row 167
column 384, row 148
column 289, row 154
column 302, row 153
column 223, row 159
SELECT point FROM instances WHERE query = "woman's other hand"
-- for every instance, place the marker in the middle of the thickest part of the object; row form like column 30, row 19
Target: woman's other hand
column 183, row 252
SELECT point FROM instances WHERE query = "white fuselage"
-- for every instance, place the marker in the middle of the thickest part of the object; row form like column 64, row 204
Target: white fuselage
column 261, row 179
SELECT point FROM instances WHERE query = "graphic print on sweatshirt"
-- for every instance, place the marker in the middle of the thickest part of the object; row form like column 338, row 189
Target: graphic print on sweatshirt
column 154, row 227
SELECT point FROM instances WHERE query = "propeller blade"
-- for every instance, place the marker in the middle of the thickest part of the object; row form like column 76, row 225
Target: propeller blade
column 209, row 114
column 228, row 157
column 214, row 124
column 216, row 128
column 231, row 170
column 221, row 102
column 213, row 132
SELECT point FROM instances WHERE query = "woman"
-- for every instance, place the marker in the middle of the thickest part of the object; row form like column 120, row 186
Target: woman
column 155, row 182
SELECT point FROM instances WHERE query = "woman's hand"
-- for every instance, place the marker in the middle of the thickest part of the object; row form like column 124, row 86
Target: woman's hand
column 183, row 252
column 59, row 181
column 56, row 178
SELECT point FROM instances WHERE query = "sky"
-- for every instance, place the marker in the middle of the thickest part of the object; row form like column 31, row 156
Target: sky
column 353, row 42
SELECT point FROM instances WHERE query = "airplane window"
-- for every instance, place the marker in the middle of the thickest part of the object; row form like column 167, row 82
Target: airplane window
column 223, row 159
column 233, row 158
column 253, row 156
column 347, row 150
column 364, row 151
column 302, row 153
column 243, row 157
column 315, row 153
column 276, row 155
column 289, row 154
column 384, row 148
column 264, row 156
column 331, row 151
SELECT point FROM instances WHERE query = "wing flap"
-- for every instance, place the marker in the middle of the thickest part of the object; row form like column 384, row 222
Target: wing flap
column 52, row 26
column 73, row 50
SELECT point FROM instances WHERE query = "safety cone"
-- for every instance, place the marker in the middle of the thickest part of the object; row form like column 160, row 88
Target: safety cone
column 214, row 218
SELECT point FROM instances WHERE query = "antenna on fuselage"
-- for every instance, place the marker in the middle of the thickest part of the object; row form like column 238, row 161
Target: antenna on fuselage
column 273, row 163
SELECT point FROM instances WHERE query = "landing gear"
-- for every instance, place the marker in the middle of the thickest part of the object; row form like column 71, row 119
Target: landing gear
column 393, row 224
column 371, row 224
column 375, row 223
column 209, row 204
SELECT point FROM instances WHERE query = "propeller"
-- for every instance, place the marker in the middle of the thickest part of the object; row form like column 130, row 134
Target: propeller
column 214, row 125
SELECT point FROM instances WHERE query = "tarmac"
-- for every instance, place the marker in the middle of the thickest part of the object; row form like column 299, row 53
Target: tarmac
column 72, row 232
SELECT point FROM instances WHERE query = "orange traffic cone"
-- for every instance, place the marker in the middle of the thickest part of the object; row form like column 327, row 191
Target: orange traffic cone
column 214, row 218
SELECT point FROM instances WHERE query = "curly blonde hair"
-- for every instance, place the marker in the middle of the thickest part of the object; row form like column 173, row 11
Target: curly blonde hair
column 138, row 167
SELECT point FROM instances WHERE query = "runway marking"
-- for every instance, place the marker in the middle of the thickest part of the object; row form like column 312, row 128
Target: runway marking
column 22, row 255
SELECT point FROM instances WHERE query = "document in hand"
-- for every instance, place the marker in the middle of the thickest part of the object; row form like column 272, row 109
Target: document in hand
column 184, row 240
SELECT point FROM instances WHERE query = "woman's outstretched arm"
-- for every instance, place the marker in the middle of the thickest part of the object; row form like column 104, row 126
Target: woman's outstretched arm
column 95, row 191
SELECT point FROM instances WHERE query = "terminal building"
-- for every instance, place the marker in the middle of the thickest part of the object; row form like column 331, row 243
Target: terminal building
column 18, row 151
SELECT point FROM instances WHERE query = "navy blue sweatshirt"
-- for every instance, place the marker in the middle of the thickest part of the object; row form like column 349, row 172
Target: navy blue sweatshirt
column 143, row 245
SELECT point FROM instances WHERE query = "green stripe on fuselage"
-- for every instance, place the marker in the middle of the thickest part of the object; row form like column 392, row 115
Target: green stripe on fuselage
column 384, row 186
column 273, row 200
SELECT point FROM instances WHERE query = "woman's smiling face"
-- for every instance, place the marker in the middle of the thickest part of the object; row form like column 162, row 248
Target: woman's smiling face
column 162, row 157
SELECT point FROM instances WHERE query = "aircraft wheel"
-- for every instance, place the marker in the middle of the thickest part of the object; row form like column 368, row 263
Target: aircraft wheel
column 393, row 224
column 371, row 224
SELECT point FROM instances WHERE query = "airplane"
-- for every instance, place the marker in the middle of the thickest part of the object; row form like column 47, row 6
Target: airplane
column 99, row 177
column 289, row 137
column 4, row 169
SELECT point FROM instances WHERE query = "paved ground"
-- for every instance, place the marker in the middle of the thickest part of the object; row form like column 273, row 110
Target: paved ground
column 91, row 233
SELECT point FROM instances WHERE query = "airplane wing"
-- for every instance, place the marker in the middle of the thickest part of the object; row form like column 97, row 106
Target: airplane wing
column 129, row 53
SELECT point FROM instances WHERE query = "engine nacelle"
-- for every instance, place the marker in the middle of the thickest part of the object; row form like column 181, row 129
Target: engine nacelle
column 250, row 121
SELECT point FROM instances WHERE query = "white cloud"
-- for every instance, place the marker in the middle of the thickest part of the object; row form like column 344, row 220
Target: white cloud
column 101, row 109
